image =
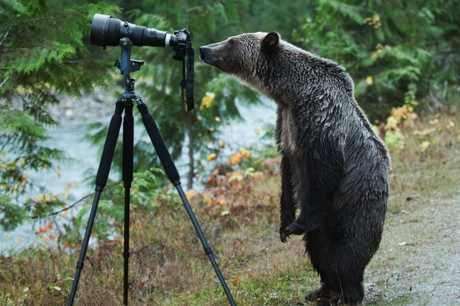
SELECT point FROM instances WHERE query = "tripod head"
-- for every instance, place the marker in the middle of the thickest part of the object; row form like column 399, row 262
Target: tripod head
column 108, row 31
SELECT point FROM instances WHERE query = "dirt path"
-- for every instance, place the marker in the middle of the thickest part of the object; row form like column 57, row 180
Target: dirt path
column 419, row 258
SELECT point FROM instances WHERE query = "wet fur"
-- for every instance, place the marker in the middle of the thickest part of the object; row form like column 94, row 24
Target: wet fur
column 334, row 166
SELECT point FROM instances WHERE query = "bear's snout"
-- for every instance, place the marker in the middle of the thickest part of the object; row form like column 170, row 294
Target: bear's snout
column 203, row 50
column 206, row 55
column 216, row 55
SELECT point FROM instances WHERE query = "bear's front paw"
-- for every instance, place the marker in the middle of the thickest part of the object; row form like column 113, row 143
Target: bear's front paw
column 293, row 229
column 283, row 236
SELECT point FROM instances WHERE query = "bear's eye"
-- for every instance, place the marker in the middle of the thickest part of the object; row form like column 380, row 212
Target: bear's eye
column 231, row 41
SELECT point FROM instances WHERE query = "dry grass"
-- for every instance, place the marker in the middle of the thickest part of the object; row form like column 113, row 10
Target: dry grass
column 168, row 265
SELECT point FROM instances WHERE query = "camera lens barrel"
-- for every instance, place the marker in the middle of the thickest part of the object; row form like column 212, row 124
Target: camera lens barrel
column 107, row 31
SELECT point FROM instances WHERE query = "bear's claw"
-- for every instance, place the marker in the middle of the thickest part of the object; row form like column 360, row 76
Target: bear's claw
column 293, row 229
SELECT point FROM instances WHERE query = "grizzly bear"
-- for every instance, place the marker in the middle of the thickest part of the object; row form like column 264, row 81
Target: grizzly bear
column 334, row 166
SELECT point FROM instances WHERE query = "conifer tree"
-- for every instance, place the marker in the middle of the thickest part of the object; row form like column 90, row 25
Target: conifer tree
column 396, row 51
column 43, row 54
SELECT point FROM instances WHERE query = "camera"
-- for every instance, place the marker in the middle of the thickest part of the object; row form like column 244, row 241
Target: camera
column 107, row 31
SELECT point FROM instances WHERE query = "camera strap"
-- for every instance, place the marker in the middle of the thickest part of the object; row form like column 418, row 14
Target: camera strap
column 188, row 75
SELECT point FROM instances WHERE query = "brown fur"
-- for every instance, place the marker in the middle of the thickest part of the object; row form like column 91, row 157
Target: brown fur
column 334, row 166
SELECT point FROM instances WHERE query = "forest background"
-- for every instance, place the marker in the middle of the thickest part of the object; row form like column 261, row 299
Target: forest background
column 402, row 55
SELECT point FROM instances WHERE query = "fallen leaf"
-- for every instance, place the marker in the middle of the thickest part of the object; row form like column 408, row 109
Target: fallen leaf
column 235, row 159
column 245, row 153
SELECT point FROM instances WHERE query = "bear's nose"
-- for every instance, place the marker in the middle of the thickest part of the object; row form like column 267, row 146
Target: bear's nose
column 207, row 54
column 203, row 49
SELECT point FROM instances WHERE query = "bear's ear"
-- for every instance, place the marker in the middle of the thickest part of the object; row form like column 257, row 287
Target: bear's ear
column 270, row 41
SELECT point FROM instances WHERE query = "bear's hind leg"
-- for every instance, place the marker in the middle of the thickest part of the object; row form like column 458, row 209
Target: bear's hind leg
column 322, row 293
column 340, row 263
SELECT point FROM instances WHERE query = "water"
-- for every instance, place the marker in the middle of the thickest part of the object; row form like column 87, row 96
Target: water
column 69, row 137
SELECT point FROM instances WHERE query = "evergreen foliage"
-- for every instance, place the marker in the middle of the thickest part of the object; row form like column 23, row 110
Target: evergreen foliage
column 398, row 52
column 42, row 55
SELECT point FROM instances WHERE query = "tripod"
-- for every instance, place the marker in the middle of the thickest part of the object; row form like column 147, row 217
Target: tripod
column 125, row 103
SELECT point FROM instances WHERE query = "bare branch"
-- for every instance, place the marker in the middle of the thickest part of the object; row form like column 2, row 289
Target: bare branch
column 6, row 35
column 4, row 81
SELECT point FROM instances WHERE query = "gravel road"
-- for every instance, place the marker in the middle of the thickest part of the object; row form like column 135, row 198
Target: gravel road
column 418, row 262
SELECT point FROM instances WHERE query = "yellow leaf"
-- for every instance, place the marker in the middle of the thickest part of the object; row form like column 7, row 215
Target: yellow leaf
column 392, row 123
column 424, row 146
column 258, row 175
column 190, row 194
column 236, row 175
column 207, row 100
column 207, row 200
column 245, row 153
column 369, row 80
column 220, row 201
column 211, row 157
column 235, row 159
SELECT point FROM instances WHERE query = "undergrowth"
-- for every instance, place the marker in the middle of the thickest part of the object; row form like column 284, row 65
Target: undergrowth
column 239, row 215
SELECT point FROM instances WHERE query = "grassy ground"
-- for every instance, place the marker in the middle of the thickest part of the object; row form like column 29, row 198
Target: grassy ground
column 168, row 265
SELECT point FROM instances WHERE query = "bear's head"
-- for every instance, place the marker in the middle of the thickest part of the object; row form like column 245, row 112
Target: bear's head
column 243, row 55
column 273, row 66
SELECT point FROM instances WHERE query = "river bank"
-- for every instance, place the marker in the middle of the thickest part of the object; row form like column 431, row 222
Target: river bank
column 73, row 116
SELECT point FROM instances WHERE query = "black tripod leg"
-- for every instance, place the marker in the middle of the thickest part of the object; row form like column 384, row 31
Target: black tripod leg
column 101, row 181
column 128, row 152
column 173, row 175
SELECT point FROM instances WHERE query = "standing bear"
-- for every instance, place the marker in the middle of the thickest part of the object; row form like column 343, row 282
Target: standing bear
column 334, row 166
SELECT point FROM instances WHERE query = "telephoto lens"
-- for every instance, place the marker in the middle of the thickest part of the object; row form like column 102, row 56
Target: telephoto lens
column 107, row 31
